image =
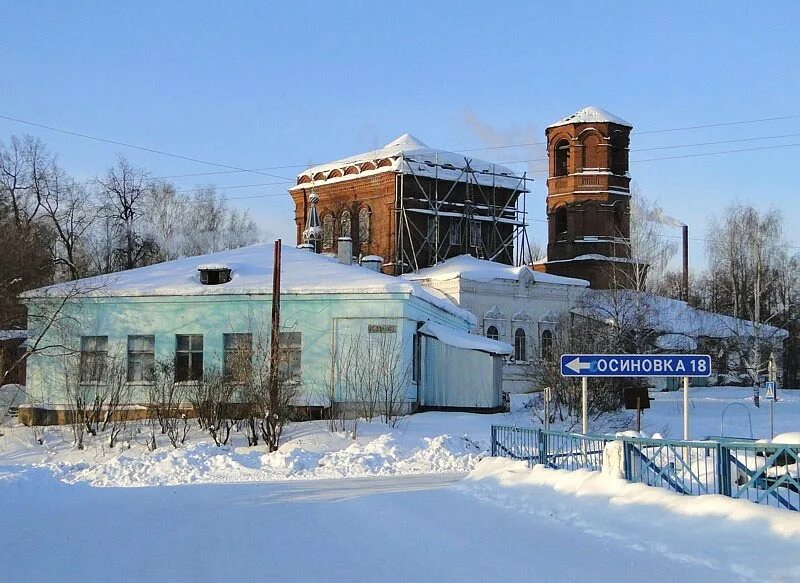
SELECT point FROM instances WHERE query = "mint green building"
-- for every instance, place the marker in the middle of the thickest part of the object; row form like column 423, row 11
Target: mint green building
column 194, row 311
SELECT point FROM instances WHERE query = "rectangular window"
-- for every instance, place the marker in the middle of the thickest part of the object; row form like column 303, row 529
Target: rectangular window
column 475, row 239
column 455, row 234
column 141, row 358
column 238, row 357
column 289, row 355
column 94, row 358
column 189, row 357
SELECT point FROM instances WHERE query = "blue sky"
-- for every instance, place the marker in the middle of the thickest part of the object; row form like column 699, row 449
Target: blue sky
column 258, row 85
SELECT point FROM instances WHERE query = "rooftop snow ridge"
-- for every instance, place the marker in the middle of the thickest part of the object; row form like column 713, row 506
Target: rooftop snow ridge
column 474, row 269
column 302, row 273
column 591, row 114
column 407, row 154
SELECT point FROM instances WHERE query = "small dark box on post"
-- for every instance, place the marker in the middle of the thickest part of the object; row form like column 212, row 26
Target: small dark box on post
column 637, row 398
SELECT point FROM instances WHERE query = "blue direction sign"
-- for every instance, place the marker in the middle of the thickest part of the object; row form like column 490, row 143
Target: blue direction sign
column 770, row 386
column 635, row 365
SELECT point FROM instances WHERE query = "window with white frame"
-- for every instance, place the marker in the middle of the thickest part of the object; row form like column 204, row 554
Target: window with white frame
column 290, row 356
column 94, row 358
column 237, row 355
column 141, row 358
column 188, row 357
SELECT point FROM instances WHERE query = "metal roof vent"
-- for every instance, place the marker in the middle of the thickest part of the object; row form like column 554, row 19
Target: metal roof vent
column 214, row 273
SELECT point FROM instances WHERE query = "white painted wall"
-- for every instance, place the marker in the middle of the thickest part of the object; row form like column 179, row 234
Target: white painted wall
column 509, row 305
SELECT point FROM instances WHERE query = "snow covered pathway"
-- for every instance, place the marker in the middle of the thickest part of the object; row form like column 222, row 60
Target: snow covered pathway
column 399, row 528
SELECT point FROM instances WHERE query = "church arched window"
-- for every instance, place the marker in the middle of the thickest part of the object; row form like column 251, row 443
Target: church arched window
column 619, row 153
column 363, row 225
column 561, row 220
column 547, row 345
column 492, row 333
column 562, row 158
column 520, row 353
column 619, row 222
column 345, row 224
column 591, row 152
column 327, row 231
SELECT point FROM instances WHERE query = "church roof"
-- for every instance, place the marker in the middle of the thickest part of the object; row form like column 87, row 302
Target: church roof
column 591, row 114
column 481, row 270
column 409, row 155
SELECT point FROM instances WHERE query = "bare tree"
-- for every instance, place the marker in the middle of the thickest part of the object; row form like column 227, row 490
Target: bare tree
column 124, row 191
column 71, row 213
column 211, row 399
column 575, row 334
column 24, row 167
column 745, row 252
column 166, row 399
column 649, row 250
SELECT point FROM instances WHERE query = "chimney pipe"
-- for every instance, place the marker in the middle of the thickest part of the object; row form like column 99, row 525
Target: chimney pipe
column 345, row 250
column 685, row 233
column 372, row 262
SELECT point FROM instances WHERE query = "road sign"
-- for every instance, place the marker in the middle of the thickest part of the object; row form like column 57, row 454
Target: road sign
column 635, row 365
column 771, row 392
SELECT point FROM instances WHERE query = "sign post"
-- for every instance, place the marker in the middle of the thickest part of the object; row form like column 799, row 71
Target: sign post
column 585, row 403
column 685, row 408
column 635, row 365
column 772, row 393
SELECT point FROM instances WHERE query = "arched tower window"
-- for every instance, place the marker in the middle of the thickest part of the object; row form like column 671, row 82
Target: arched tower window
column 561, row 220
column 363, row 225
column 592, row 156
column 562, row 158
column 520, row 354
column 492, row 333
column 547, row 345
column 327, row 231
column 619, row 222
column 345, row 225
column 619, row 153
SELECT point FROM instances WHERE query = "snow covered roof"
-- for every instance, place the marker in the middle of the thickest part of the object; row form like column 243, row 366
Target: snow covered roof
column 302, row 273
column 408, row 155
column 465, row 340
column 474, row 269
column 667, row 316
column 591, row 114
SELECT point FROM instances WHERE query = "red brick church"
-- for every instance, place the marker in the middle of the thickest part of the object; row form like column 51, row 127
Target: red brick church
column 415, row 206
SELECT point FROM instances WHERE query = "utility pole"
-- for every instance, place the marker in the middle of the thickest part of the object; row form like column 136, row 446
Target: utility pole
column 274, row 348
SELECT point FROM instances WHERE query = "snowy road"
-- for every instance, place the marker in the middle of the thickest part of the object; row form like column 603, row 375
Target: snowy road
column 412, row 528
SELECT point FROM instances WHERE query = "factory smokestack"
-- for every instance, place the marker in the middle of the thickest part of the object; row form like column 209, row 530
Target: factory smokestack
column 685, row 237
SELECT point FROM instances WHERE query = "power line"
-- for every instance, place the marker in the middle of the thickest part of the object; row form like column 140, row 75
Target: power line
column 718, row 125
column 235, row 169
column 135, row 147
column 695, row 155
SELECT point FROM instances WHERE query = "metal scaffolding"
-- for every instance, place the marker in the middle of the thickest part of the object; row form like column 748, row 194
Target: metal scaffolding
column 444, row 210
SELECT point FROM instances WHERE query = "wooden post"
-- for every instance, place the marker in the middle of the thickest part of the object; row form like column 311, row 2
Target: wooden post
column 638, row 414
column 274, row 349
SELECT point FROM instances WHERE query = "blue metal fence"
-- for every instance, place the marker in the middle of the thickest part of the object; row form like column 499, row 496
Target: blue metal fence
column 763, row 473
column 555, row 449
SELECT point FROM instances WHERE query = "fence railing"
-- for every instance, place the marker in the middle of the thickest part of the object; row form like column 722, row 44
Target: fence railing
column 555, row 449
column 760, row 472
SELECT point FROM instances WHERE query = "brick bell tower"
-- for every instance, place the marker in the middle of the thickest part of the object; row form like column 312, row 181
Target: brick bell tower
column 588, row 198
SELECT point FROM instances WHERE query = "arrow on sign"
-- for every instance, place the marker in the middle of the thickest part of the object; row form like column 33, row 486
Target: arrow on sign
column 577, row 366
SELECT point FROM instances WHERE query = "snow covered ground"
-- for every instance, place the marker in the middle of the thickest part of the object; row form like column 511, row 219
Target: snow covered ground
column 707, row 406
column 404, row 511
